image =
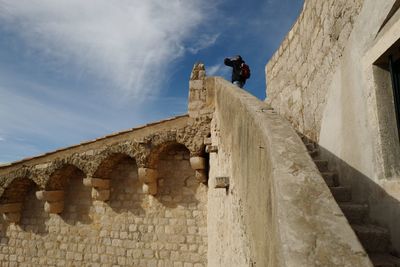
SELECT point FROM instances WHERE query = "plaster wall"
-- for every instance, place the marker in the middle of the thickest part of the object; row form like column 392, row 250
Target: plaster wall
column 277, row 210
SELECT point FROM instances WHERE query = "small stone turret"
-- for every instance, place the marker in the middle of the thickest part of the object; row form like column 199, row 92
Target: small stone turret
column 201, row 97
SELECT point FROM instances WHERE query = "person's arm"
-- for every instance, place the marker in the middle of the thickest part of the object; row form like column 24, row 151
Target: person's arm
column 228, row 62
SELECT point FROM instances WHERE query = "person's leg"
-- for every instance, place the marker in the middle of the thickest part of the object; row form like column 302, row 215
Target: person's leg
column 238, row 83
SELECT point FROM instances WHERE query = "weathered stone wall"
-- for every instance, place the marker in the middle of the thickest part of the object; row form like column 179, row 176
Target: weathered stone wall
column 132, row 229
column 299, row 73
column 115, row 219
column 346, row 105
column 277, row 210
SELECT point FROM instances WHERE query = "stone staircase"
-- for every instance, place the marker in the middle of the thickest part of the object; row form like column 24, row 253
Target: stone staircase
column 375, row 239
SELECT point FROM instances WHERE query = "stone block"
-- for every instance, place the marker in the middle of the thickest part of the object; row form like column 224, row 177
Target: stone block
column 201, row 176
column 51, row 196
column 101, row 195
column 54, row 207
column 147, row 175
column 150, row 188
column 97, row 183
column 10, row 207
column 221, row 182
column 13, row 217
column 211, row 149
column 198, row 163
column 207, row 141
column 196, row 84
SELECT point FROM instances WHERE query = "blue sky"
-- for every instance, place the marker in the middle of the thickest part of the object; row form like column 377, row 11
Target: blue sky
column 73, row 70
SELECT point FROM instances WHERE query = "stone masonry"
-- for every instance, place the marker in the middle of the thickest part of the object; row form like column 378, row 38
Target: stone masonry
column 135, row 198
column 300, row 71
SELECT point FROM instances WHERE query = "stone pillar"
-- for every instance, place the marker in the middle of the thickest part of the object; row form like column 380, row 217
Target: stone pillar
column 199, row 165
column 11, row 212
column 201, row 98
column 100, row 188
column 149, row 178
column 54, row 200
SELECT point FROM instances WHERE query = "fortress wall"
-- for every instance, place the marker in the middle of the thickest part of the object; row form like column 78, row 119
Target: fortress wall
column 277, row 210
column 347, row 106
column 132, row 228
column 299, row 73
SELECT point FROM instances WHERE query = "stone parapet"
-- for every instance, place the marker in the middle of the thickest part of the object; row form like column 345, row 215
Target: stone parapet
column 270, row 205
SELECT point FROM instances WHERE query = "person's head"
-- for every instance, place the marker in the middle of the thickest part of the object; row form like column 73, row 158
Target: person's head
column 239, row 57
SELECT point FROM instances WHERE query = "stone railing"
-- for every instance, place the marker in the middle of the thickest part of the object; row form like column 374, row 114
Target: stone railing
column 270, row 205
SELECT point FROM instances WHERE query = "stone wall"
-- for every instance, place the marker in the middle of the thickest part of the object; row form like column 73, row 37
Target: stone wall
column 299, row 73
column 277, row 209
column 132, row 229
column 346, row 106
column 95, row 204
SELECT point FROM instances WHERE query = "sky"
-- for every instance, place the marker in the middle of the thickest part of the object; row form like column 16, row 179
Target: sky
column 73, row 70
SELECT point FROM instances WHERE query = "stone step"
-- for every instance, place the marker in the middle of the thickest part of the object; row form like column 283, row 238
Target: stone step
column 384, row 260
column 355, row 213
column 322, row 165
column 331, row 178
column 311, row 146
column 313, row 153
column 341, row 193
column 374, row 239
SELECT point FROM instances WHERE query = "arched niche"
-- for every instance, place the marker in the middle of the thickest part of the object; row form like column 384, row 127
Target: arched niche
column 66, row 195
column 176, row 179
column 13, row 197
column 119, row 175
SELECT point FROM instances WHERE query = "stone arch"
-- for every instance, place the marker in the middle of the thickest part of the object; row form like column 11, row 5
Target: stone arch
column 59, row 178
column 158, row 151
column 66, row 195
column 120, row 171
column 13, row 197
column 106, row 166
column 176, row 179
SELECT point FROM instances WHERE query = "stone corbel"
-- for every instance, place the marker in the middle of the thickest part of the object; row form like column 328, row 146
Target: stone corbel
column 199, row 165
column 100, row 188
column 149, row 179
column 54, row 200
column 11, row 212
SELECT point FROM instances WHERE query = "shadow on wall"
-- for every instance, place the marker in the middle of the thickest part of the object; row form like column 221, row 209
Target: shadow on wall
column 177, row 181
column 126, row 189
column 33, row 216
column 77, row 199
column 384, row 210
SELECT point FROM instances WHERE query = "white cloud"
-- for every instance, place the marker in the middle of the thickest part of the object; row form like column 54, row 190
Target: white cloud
column 203, row 42
column 128, row 44
column 218, row 70
column 41, row 119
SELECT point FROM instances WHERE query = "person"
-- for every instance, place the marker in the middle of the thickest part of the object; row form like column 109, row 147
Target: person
column 239, row 76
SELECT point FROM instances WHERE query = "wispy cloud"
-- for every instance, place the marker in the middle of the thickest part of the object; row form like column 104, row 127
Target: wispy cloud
column 35, row 118
column 127, row 44
column 218, row 70
column 203, row 42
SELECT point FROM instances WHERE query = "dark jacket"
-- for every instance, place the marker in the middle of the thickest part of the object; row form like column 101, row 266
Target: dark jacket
column 235, row 63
